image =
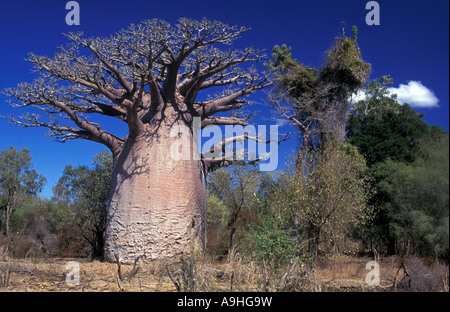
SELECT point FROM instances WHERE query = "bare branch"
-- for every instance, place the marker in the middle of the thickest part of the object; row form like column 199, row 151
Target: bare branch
column 113, row 69
column 214, row 164
column 218, row 121
column 210, row 67
column 230, row 101
column 65, row 133
column 138, row 73
column 240, row 139
column 49, row 99
column 217, row 82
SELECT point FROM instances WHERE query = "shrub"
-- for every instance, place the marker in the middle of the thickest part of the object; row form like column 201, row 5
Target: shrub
column 272, row 241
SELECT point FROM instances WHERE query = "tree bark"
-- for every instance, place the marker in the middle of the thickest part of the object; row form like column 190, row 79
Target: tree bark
column 157, row 204
column 313, row 240
column 10, row 206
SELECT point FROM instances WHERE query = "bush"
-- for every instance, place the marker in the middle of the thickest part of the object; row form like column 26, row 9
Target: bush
column 36, row 214
column 71, row 242
column 272, row 242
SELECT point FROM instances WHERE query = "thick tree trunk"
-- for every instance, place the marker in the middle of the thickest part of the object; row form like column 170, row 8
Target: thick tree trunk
column 157, row 205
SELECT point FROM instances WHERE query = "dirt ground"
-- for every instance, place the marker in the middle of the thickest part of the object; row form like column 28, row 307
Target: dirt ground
column 80, row 275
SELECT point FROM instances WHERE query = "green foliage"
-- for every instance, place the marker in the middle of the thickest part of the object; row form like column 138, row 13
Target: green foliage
column 316, row 99
column 217, row 213
column 418, row 199
column 378, row 99
column 382, row 128
column 83, row 184
column 36, row 215
column 344, row 65
column 17, row 173
column 281, row 60
column 328, row 194
column 86, row 191
column 17, row 177
column 331, row 199
column 272, row 238
column 355, row 33
column 233, row 195
column 322, row 207
column 271, row 241
column 236, row 186
column 409, row 167
column 297, row 79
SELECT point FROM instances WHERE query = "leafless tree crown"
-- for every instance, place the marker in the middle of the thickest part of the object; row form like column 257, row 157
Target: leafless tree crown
column 134, row 75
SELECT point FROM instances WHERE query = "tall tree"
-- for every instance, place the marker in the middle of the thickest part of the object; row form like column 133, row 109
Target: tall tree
column 17, row 177
column 334, row 200
column 382, row 128
column 86, row 191
column 317, row 102
column 148, row 76
column 416, row 201
column 393, row 138
column 237, row 188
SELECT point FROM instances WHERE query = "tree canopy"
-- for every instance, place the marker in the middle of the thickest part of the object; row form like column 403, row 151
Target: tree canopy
column 17, row 177
column 382, row 128
column 316, row 100
column 134, row 75
column 408, row 162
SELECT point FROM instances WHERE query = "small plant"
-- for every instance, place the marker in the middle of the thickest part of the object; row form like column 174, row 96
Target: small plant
column 272, row 242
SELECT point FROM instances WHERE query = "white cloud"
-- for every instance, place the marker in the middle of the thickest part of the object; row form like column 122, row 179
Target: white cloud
column 358, row 96
column 415, row 94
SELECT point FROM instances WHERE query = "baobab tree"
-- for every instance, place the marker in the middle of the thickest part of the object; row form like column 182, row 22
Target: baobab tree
column 149, row 76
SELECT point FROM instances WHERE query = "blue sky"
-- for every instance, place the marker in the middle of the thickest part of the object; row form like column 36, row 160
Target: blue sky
column 411, row 44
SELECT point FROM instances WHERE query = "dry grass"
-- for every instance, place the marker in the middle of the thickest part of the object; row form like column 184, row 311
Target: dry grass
column 50, row 275
column 345, row 273
column 342, row 273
